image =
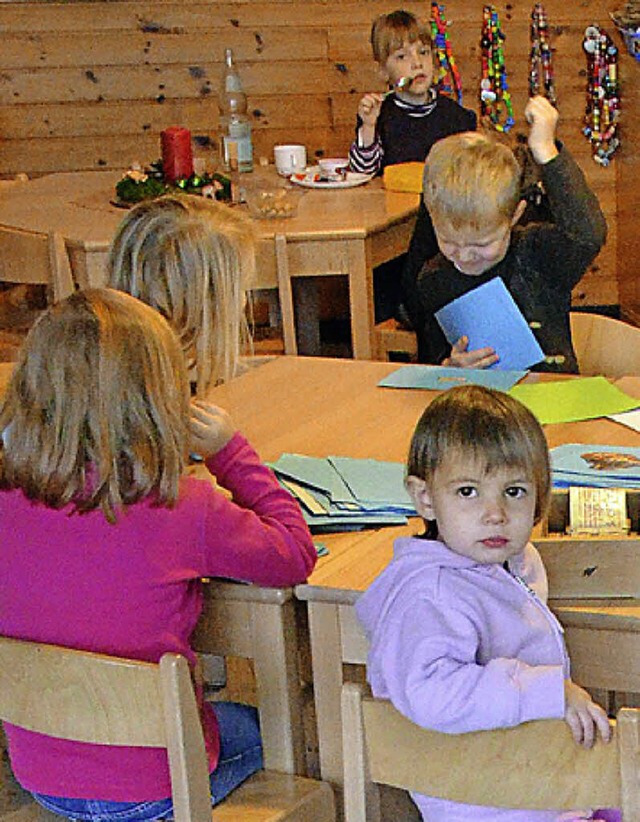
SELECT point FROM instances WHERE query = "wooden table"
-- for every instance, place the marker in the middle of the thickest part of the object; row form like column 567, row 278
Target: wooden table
column 326, row 407
column 335, row 232
column 333, row 407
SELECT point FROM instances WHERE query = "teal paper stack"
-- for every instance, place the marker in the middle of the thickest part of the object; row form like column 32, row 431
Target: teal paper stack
column 342, row 493
column 598, row 466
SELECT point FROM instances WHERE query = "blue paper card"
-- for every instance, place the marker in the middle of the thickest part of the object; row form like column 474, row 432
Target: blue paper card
column 488, row 316
column 601, row 466
column 440, row 378
column 316, row 472
column 374, row 481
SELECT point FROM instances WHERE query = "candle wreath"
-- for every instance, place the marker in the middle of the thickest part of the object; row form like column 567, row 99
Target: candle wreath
column 139, row 184
column 173, row 173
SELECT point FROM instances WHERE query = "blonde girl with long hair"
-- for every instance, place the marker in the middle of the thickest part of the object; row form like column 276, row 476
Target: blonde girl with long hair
column 104, row 541
column 192, row 259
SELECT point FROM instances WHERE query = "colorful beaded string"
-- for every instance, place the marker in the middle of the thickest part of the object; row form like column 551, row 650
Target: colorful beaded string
column 444, row 55
column 603, row 97
column 540, row 60
column 494, row 93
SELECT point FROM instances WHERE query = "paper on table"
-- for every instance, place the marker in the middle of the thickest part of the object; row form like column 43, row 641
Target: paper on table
column 373, row 480
column 313, row 471
column 602, row 466
column 629, row 418
column 440, row 378
column 328, row 502
column 305, row 497
column 571, row 400
column 488, row 316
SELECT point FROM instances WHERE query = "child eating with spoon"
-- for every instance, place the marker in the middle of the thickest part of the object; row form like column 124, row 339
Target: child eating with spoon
column 402, row 125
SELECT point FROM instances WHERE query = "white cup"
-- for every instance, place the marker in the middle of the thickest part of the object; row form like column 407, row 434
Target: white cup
column 290, row 159
column 334, row 168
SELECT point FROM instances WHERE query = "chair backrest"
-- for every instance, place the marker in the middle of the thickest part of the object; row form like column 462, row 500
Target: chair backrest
column 107, row 700
column 260, row 624
column 604, row 345
column 533, row 766
column 29, row 257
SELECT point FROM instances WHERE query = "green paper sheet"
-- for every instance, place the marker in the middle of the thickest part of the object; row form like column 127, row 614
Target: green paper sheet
column 573, row 400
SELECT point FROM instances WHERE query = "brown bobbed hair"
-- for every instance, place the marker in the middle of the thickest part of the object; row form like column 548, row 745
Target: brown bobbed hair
column 389, row 33
column 486, row 426
column 96, row 412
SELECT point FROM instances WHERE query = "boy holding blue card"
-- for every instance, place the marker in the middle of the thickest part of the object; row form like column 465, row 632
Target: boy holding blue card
column 471, row 189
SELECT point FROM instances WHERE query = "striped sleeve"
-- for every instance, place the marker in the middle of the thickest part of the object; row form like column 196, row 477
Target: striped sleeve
column 367, row 160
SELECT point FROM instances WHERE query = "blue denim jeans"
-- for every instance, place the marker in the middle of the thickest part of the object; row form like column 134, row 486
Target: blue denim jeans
column 240, row 756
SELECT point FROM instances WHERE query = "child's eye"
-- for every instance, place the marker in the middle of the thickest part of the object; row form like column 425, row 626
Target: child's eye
column 466, row 491
column 425, row 50
column 516, row 491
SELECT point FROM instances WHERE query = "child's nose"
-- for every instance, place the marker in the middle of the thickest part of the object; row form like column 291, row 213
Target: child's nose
column 494, row 510
column 466, row 255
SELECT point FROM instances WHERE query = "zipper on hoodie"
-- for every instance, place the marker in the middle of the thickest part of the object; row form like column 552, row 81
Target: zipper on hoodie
column 551, row 618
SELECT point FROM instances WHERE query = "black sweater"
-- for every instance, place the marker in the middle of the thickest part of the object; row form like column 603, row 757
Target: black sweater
column 545, row 261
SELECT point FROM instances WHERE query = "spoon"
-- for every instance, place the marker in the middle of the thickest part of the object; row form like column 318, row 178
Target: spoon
column 403, row 82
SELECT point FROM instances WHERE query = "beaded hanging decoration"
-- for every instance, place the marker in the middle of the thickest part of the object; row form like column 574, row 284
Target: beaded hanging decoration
column 447, row 67
column 541, row 79
column 495, row 99
column 603, row 95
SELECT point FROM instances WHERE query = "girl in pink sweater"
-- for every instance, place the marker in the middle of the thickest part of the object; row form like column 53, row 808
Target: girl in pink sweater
column 104, row 542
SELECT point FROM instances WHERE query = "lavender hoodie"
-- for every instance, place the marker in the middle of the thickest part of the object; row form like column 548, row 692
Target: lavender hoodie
column 458, row 646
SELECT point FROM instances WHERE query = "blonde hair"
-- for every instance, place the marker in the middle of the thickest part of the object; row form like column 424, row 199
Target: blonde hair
column 191, row 259
column 485, row 425
column 390, row 32
column 96, row 412
column 471, row 180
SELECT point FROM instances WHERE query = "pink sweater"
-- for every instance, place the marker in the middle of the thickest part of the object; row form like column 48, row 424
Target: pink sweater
column 132, row 589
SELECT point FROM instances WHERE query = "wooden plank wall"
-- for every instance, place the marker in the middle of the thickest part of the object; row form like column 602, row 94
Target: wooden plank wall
column 89, row 85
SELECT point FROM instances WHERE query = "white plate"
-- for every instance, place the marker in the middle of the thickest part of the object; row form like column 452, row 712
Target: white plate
column 353, row 179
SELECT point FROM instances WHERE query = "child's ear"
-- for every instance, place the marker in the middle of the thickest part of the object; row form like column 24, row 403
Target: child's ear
column 518, row 212
column 421, row 496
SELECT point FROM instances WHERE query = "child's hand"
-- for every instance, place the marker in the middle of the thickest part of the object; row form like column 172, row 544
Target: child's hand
column 368, row 111
column 460, row 357
column 211, row 428
column 369, row 108
column 542, row 118
column 583, row 716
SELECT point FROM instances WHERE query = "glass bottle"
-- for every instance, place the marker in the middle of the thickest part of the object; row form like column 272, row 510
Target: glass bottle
column 234, row 121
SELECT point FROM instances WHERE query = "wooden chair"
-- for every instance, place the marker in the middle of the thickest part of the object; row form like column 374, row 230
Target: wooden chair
column 29, row 257
column 107, row 700
column 389, row 337
column 534, row 766
column 604, row 345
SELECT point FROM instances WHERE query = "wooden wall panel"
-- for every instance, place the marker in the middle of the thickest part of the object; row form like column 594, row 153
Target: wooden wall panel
column 91, row 83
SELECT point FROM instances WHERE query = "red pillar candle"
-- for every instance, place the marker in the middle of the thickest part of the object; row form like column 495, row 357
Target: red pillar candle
column 177, row 155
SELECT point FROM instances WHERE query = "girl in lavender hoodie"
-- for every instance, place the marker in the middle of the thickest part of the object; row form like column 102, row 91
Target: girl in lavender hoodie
column 461, row 636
